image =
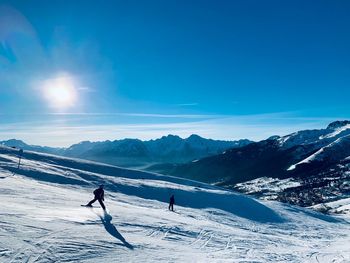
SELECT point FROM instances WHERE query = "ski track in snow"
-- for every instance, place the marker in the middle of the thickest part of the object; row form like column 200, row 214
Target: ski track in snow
column 42, row 221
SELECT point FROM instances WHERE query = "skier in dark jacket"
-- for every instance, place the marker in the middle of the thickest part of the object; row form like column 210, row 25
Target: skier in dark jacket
column 171, row 203
column 99, row 196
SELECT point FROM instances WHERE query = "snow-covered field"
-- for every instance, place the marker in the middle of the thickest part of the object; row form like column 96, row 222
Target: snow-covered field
column 267, row 184
column 41, row 219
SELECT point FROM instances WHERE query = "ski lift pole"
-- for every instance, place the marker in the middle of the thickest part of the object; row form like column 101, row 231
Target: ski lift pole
column 20, row 157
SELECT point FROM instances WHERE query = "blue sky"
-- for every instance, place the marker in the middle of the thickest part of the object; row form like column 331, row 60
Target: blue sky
column 221, row 69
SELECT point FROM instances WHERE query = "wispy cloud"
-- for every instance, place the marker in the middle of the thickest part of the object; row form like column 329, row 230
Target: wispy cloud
column 187, row 104
column 189, row 116
column 86, row 89
column 130, row 114
column 254, row 127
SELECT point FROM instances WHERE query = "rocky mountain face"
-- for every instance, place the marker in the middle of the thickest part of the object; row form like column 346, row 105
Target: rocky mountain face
column 168, row 149
column 136, row 153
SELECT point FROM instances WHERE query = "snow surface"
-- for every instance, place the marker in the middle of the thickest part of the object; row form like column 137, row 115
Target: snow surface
column 336, row 132
column 332, row 148
column 41, row 219
column 317, row 138
column 267, row 184
column 341, row 206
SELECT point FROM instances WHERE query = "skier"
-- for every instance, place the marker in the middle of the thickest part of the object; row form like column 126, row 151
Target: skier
column 171, row 203
column 99, row 196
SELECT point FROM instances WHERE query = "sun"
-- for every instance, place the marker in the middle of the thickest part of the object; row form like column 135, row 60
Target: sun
column 60, row 92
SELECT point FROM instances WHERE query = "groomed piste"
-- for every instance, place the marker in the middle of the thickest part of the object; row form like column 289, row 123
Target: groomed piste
column 41, row 218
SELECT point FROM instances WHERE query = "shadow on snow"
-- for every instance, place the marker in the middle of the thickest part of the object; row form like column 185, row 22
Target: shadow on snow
column 106, row 220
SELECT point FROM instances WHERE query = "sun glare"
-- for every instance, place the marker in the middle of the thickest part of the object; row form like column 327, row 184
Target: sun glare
column 60, row 92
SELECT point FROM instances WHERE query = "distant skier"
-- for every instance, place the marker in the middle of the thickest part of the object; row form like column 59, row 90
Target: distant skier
column 171, row 203
column 99, row 196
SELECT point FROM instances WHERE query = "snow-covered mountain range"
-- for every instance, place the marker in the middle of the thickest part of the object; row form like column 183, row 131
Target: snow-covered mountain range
column 41, row 219
column 137, row 153
column 318, row 160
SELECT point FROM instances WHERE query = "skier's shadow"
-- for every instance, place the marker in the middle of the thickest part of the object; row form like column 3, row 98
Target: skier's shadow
column 112, row 230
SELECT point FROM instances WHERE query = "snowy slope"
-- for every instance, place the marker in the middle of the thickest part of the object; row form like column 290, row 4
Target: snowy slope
column 316, row 139
column 337, row 150
column 41, row 219
column 340, row 206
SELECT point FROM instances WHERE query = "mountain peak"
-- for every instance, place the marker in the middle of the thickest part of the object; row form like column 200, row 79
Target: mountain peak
column 170, row 137
column 14, row 142
column 194, row 136
column 338, row 124
column 274, row 137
